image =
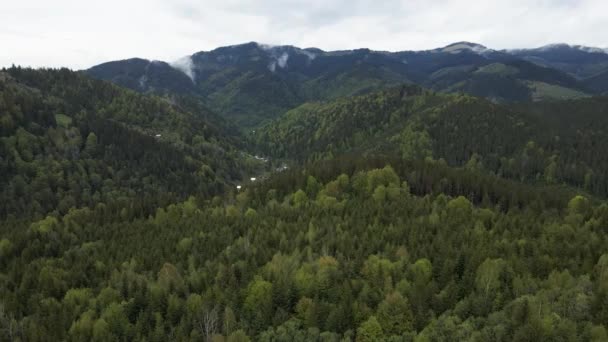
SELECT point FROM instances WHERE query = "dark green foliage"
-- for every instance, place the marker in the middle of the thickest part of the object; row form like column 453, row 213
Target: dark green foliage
column 599, row 82
column 556, row 143
column 68, row 141
column 143, row 75
column 361, row 267
column 581, row 62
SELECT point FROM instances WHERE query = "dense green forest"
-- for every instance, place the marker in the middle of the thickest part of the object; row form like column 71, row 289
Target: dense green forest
column 319, row 255
column 551, row 142
column 404, row 215
column 69, row 141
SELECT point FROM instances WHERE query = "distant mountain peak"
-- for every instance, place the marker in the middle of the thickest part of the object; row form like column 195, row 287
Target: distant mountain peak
column 468, row 44
column 241, row 45
column 459, row 47
column 268, row 47
column 588, row 49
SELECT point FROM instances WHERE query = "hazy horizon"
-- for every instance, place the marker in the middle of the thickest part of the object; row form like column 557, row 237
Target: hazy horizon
column 79, row 35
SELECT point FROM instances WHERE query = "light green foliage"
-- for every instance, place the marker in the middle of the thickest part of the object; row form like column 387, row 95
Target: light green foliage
column 415, row 144
column 312, row 186
column 545, row 91
column 229, row 320
column 378, row 271
column 306, row 311
column 6, row 248
column 194, row 304
column 169, row 277
column 300, row 198
column 475, row 163
column 327, row 273
column 82, row 329
column 579, row 205
column 487, row 279
column 369, row 182
column 238, row 336
column 379, row 194
column 598, row 333
column 394, row 315
column 550, row 173
column 45, row 226
column 498, row 68
column 184, row 246
column 258, row 302
column 251, row 213
column 318, row 277
column 601, row 269
column 101, row 331
column 451, row 328
column 459, row 209
column 108, row 296
column 343, row 180
column 90, row 146
column 422, row 270
column 63, row 120
column 232, row 211
column 117, row 322
column 77, row 300
column 369, row 331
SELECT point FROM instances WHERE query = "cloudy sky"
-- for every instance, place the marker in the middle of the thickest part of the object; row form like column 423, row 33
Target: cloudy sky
column 82, row 33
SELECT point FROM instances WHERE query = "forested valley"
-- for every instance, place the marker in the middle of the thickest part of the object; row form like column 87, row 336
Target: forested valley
column 403, row 215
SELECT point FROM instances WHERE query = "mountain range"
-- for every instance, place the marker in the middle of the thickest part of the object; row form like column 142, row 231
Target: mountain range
column 254, row 83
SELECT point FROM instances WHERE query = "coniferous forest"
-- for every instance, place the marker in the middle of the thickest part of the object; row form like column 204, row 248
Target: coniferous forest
column 392, row 213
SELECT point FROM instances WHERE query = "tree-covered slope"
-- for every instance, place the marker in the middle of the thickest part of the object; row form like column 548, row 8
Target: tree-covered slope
column 335, row 252
column 599, row 82
column 579, row 61
column 144, row 76
column 68, row 141
column 559, row 142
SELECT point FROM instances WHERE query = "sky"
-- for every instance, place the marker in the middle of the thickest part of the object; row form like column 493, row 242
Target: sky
column 81, row 33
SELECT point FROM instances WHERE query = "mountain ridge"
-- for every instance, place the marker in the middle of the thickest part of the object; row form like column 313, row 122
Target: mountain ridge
column 253, row 83
column 67, row 140
column 554, row 142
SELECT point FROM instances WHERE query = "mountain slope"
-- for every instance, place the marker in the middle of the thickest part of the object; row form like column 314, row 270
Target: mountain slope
column 551, row 142
column 579, row 61
column 69, row 141
column 598, row 83
column 144, row 76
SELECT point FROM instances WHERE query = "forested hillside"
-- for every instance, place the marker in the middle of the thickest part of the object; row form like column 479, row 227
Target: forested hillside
column 401, row 214
column 580, row 61
column 338, row 251
column 598, row 82
column 555, row 142
column 67, row 141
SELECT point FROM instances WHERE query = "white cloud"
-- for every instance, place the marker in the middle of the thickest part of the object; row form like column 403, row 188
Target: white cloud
column 282, row 61
column 82, row 33
column 186, row 66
